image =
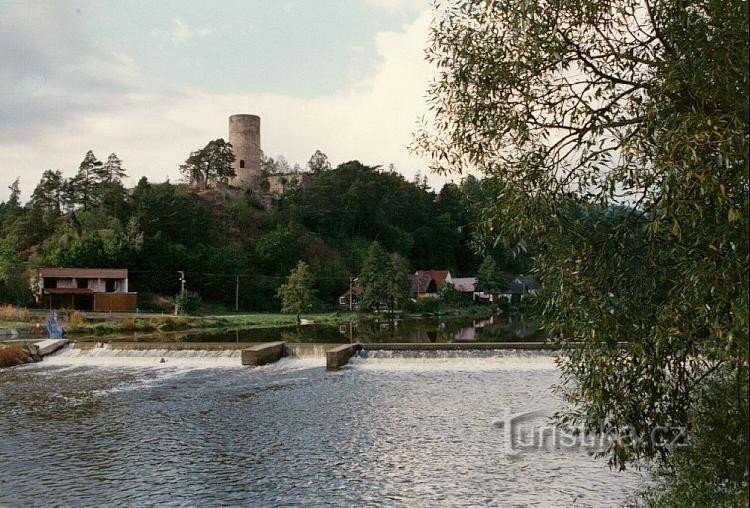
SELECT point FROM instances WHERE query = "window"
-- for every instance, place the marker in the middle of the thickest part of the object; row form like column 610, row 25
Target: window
column 242, row 163
column 109, row 285
column 82, row 283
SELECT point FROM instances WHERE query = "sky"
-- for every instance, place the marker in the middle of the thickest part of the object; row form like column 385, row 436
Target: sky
column 154, row 80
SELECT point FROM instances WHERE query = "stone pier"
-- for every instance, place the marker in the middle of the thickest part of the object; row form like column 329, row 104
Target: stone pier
column 339, row 356
column 263, row 354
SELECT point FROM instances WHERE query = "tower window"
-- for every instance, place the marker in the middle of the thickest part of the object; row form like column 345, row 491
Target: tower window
column 242, row 163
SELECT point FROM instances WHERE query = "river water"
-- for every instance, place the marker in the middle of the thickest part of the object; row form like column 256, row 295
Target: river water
column 105, row 427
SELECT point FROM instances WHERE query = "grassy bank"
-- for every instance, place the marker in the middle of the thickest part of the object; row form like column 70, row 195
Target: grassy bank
column 77, row 322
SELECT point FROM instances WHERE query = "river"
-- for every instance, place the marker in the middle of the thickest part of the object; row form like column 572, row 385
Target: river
column 101, row 427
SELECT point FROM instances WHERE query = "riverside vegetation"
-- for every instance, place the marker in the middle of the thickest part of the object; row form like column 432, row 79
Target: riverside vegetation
column 616, row 135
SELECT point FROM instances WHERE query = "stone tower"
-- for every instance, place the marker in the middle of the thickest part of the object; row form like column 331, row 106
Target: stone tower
column 244, row 135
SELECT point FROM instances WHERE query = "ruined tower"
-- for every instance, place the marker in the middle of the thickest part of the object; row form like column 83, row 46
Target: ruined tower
column 244, row 135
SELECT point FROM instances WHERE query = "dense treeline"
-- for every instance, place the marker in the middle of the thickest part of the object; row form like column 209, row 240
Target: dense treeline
column 220, row 234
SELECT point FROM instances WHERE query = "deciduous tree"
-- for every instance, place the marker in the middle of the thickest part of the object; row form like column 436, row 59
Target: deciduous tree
column 616, row 136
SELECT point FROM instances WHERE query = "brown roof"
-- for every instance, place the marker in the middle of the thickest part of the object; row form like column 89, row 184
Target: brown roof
column 85, row 273
column 420, row 283
column 438, row 276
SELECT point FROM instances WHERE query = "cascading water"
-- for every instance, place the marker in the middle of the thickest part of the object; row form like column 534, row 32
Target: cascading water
column 108, row 425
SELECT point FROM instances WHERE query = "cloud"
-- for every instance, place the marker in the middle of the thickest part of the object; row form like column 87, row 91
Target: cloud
column 400, row 5
column 153, row 127
column 180, row 33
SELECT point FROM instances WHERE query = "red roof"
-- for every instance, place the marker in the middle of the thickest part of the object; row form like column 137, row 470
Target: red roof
column 85, row 273
column 438, row 276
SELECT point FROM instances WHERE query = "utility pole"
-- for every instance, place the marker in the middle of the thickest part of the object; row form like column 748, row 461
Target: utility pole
column 182, row 291
column 237, row 294
column 351, row 288
column 182, row 281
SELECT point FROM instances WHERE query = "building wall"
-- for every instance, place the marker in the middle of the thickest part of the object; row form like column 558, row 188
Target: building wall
column 116, row 302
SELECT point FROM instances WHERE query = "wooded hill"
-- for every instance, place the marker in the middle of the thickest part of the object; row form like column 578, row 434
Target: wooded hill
column 214, row 236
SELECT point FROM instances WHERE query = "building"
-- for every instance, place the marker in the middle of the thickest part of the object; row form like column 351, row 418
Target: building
column 96, row 289
column 428, row 283
column 350, row 299
column 467, row 286
column 244, row 136
column 519, row 288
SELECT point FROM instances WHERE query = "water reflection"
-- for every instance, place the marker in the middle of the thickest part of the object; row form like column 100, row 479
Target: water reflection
column 436, row 330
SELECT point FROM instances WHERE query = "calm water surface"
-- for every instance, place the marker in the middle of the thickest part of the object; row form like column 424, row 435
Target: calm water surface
column 103, row 428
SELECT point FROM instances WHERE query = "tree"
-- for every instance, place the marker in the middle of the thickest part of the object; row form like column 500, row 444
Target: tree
column 84, row 186
column 112, row 170
column 383, row 278
column 14, row 200
column 318, row 162
column 48, row 194
column 489, row 277
column 297, row 293
column 572, row 110
column 211, row 163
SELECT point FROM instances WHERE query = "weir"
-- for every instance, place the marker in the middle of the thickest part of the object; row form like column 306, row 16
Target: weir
column 334, row 356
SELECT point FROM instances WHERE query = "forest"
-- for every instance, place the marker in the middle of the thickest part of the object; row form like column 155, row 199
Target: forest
column 222, row 237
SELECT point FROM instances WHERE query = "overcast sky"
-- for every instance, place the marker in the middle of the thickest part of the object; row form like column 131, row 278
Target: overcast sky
column 154, row 80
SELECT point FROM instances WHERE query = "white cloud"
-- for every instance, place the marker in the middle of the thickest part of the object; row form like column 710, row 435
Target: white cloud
column 400, row 5
column 180, row 33
column 153, row 132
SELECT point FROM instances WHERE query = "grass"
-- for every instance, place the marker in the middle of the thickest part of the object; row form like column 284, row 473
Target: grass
column 11, row 313
column 77, row 322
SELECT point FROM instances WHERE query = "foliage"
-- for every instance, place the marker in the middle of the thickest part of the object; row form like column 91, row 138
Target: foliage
column 14, row 281
column 14, row 313
column 422, row 306
column 297, row 294
column 383, row 278
column 318, row 162
column 489, row 278
column 615, row 137
column 710, row 469
column 212, row 163
column 11, row 355
column 187, row 302
column 157, row 229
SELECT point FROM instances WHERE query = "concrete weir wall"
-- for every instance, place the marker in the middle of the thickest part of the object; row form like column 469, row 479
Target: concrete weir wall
column 339, row 356
column 263, row 354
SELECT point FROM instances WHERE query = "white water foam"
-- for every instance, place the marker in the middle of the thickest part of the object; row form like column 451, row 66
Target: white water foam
column 487, row 360
column 186, row 359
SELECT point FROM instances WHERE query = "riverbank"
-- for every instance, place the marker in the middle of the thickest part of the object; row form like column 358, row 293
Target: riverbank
column 106, row 324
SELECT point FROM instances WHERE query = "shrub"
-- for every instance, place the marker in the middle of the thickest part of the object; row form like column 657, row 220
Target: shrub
column 13, row 313
column 168, row 324
column 12, row 355
column 128, row 325
column 187, row 302
column 711, row 467
column 76, row 318
column 422, row 305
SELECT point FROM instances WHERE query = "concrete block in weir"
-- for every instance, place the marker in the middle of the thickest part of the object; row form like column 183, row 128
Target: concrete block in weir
column 262, row 354
column 339, row 356
column 49, row 346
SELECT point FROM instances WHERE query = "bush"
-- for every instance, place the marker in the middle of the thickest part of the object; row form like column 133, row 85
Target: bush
column 168, row 324
column 12, row 355
column 187, row 302
column 76, row 318
column 13, row 313
column 711, row 468
column 422, row 306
